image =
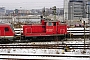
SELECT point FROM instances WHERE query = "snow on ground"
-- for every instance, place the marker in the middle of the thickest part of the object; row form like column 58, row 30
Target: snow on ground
column 50, row 51
column 44, row 58
column 45, row 51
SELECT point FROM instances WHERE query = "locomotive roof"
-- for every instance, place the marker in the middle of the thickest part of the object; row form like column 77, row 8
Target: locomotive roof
column 4, row 23
column 52, row 21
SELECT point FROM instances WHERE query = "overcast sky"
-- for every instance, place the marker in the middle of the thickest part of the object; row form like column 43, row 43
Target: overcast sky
column 30, row 4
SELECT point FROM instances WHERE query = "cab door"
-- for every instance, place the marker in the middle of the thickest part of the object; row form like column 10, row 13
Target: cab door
column 51, row 28
column 54, row 27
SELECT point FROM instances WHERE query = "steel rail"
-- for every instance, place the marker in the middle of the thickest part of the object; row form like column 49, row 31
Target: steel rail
column 49, row 46
column 43, row 48
column 47, row 55
column 37, row 44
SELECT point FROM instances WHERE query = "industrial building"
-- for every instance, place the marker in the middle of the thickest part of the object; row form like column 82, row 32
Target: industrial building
column 75, row 9
column 2, row 11
column 88, row 11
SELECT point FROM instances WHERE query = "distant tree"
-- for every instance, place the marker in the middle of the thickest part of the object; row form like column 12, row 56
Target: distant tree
column 54, row 10
column 43, row 11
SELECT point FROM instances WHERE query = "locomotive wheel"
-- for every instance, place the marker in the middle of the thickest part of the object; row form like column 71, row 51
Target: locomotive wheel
column 28, row 39
column 4, row 41
column 0, row 41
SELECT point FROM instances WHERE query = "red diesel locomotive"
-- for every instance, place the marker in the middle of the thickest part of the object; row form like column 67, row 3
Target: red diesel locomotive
column 49, row 30
column 46, row 30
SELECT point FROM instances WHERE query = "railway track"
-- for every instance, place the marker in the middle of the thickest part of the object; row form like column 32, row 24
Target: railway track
column 45, row 55
column 66, row 39
column 47, row 46
column 42, row 46
column 29, row 41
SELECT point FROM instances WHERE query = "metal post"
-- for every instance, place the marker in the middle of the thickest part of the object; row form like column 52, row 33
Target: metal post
column 43, row 12
column 71, row 15
column 0, row 34
column 20, row 34
column 54, row 12
column 70, row 21
column 84, row 34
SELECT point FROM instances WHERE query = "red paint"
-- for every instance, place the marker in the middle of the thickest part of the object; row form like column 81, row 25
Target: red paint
column 6, row 30
column 44, row 29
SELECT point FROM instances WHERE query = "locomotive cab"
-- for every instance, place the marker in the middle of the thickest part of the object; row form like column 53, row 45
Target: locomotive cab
column 6, row 32
column 51, row 27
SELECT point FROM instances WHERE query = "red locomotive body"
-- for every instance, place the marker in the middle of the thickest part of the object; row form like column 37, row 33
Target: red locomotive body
column 6, row 31
column 45, row 29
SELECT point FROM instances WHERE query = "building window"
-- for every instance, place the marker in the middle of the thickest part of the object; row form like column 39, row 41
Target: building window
column 77, row 16
column 77, row 13
column 78, row 7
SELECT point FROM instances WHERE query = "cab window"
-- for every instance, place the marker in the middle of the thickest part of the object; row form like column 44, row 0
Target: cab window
column 54, row 23
column 6, row 29
column 49, row 23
